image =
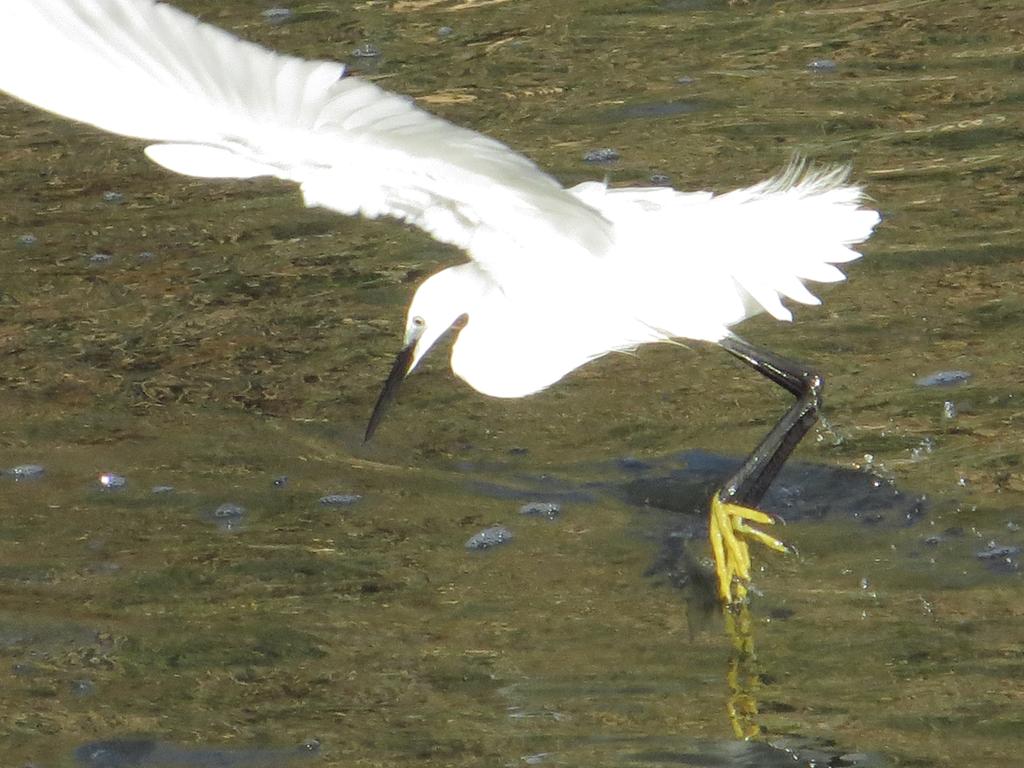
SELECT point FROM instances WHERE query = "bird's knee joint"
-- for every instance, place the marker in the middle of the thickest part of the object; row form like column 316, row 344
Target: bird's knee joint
column 814, row 385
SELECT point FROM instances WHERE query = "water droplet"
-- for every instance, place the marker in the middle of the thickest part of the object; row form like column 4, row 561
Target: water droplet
column 546, row 509
column 489, row 538
column 944, row 379
column 603, row 155
column 822, row 65
column 228, row 517
column 82, row 688
column 340, row 499
column 111, row 481
column 25, row 471
column 277, row 15
column 366, row 51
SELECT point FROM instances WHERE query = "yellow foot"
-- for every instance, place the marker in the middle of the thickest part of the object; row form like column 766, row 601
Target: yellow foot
column 729, row 531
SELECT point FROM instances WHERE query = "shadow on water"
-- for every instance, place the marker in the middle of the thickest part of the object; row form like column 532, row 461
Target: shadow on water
column 780, row 753
column 147, row 753
column 683, row 483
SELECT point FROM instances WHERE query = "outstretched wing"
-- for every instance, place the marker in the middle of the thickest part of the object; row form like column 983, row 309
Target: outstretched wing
column 719, row 259
column 218, row 106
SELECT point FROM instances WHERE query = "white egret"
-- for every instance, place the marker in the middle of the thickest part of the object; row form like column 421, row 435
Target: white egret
column 556, row 277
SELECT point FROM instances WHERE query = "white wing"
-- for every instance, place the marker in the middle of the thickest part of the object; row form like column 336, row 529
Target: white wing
column 222, row 107
column 723, row 258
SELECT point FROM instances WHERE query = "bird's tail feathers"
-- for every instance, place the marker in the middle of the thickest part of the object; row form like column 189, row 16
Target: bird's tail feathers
column 795, row 227
column 702, row 262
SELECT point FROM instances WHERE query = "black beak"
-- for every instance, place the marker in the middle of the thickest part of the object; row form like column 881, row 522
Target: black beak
column 398, row 372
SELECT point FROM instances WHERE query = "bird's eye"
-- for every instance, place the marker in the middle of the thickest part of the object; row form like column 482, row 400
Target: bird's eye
column 418, row 322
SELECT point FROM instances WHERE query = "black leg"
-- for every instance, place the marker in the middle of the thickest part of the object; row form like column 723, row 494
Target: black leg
column 750, row 483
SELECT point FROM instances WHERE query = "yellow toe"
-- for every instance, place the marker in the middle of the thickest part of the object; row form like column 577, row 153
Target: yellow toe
column 729, row 531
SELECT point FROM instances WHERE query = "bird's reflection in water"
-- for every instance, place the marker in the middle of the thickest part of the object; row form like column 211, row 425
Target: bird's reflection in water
column 699, row 587
column 743, row 674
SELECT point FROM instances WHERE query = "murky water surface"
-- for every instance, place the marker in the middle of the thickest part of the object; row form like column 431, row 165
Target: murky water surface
column 218, row 348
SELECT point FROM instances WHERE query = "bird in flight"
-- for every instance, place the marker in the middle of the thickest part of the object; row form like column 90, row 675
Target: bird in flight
column 555, row 278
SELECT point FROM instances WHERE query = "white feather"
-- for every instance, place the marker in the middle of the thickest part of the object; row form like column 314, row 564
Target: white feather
column 558, row 277
column 754, row 246
column 233, row 108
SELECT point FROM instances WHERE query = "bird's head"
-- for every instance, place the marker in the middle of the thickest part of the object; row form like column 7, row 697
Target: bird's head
column 442, row 301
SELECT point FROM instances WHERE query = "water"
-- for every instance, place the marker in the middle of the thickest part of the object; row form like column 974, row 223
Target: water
column 232, row 338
